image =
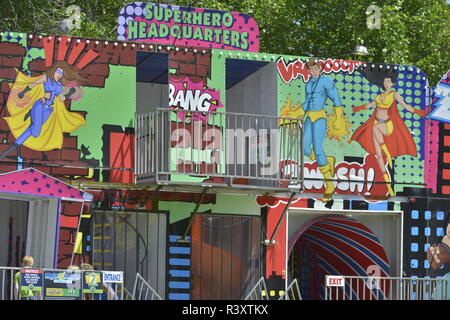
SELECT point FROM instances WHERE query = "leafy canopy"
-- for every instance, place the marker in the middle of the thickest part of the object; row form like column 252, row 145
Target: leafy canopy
column 413, row 32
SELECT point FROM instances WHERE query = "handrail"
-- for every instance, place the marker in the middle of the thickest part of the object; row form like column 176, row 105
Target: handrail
column 292, row 292
column 297, row 120
column 260, row 151
column 385, row 288
column 154, row 294
column 259, row 291
column 127, row 294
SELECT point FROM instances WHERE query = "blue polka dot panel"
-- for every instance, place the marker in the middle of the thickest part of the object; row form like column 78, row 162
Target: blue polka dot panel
column 425, row 226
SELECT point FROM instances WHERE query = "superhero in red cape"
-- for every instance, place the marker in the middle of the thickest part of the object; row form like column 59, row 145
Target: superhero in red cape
column 384, row 132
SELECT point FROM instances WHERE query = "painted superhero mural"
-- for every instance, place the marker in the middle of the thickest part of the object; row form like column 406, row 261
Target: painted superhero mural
column 38, row 117
column 385, row 133
column 362, row 163
column 318, row 89
column 68, row 108
column 55, row 90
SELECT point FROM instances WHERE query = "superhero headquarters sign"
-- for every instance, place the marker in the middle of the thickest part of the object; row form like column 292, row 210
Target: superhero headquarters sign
column 185, row 26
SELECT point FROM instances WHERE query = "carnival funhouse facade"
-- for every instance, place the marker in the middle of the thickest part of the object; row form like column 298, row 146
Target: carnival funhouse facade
column 181, row 152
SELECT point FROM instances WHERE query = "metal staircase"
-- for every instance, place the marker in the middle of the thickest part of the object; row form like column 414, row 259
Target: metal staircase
column 292, row 292
column 259, row 291
column 142, row 290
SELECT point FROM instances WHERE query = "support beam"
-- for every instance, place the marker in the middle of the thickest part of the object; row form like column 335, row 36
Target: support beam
column 271, row 241
column 150, row 197
column 183, row 239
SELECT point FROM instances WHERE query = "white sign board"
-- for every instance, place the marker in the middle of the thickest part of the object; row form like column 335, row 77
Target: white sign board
column 441, row 100
column 113, row 277
column 335, row 281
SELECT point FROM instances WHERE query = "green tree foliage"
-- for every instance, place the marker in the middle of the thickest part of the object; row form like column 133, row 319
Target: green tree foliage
column 413, row 32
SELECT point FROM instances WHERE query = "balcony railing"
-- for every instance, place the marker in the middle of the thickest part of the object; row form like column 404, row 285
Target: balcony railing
column 219, row 147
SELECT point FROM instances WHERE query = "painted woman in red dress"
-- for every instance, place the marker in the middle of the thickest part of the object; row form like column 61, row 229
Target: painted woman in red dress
column 385, row 131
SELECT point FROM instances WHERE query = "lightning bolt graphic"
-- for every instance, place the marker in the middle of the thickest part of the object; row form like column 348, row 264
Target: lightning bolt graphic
column 441, row 100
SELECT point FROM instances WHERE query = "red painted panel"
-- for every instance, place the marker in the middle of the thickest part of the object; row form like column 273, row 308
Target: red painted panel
column 48, row 48
column 447, row 157
column 446, row 174
column 447, row 141
column 121, row 155
column 68, row 222
column 276, row 255
column 62, row 49
column 76, row 51
column 88, row 57
column 446, row 189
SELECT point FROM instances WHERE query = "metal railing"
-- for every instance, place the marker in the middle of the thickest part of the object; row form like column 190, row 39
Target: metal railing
column 142, row 290
column 261, row 151
column 127, row 295
column 68, row 284
column 292, row 292
column 387, row 288
column 259, row 291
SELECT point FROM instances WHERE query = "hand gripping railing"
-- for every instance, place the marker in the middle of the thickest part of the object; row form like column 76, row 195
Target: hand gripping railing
column 259, row 291
column 144, row 290
column 292, row 292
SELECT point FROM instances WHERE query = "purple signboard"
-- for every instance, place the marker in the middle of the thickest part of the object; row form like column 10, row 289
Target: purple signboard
column 186, row 26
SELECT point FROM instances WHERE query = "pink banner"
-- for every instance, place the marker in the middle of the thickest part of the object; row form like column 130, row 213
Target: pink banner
column 185, row 26
column 33, row 182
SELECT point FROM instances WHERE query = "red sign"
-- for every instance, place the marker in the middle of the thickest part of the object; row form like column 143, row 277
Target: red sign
column 335, row 281
column 294, row 69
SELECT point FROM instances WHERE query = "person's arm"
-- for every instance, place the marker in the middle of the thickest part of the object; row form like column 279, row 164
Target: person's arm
column 305, row 105
column 399, row 99
column 337, row 126
column 109, row 291
column 338, row 109
column 68, row 92
column 31, row 86
column 16, row 291
column 332, row 92
column 16, row 287
column 39, row 80
column 363, row 107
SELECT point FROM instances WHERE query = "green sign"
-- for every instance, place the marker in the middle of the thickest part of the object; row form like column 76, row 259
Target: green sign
column 92, row 282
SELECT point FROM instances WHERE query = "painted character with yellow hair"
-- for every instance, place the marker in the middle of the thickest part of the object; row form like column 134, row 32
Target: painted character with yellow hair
column 38, row 117
column 318, row 89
